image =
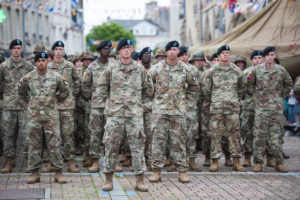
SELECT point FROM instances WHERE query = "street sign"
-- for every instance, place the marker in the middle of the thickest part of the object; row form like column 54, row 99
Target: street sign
column 2, row 16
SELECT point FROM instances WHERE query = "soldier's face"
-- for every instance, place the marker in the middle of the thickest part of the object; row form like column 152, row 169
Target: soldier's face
column 105, row 51
column 126, row 51
column 160, row 58
column 16, row 50
column 241, row 65
column 78, row 64
column 270, row 58
column 215, row 60
column 86, row 62
column 59, row 52
column 146, row 57
column 172, row 53
column 256, row 60
column 184, row 58
column 41, row 64
column 224, row 56
column 198, row 63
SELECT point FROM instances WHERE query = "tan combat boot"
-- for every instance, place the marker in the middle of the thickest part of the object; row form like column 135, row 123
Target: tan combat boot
column 257, row 167
column 270, row 161
column 27, row 170
column 47, row 168
column 207, row 160
column 247, row 160
column 127, row 162
column 8, row 167
column 108, row 182
column 215, row 165
column 228, row 161
column 88, row 161
column 59, row 178
column 118, row 168
column 72, row 167
column 155, row 177
column 236, row 165
column 34, row 177
column 280, row 168
column 183, row 177
column 95, row 166
column 140, row 186
column 193, row 166
column 168, row 162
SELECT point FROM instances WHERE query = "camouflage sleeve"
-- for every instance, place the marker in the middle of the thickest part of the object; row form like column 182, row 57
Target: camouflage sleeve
column 76, row 81
column 62, row 88
column 23, row 89
column 287, row 83
column 147, row 85
column 241, row 86
column 102, row 91
column 1, row 73
column 297, row 87
column 251, row 82
column 86, row 84
column 207, row 85
column 192, row 90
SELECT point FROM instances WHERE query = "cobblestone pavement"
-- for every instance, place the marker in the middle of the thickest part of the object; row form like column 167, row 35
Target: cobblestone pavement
column 224, row 184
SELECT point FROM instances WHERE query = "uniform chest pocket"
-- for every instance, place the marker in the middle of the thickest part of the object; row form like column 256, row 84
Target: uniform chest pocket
column 134, row 79
column 117, row 79
column 162, row 83
column 177, row 79
column 67, row 73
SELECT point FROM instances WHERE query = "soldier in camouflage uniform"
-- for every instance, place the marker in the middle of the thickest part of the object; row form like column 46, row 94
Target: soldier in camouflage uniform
column 160, row 55
column 124, row 85
column 174, row 83
column 2, row 59
column 271, row 84
column 66, row 108
column 224, row 85
column 145, row 57
column 97, row 118
column 43, row 88
column 14, row 108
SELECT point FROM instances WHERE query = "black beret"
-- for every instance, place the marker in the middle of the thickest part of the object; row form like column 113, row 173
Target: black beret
column 256, row 53
column 135, row 55
column 215, row 55
column 144, row 50
column 40, row 55
column 123, row 43
column 223, row 48
column 172, row 44
column 183, row 50
column 268, row 50
column 57, row 44
column 103, row 44
column 15, row 42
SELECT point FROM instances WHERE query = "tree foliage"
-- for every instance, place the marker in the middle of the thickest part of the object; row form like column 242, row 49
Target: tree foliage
column 112, row 31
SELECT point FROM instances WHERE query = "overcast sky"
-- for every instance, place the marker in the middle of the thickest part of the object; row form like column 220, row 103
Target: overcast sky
column 96, row 12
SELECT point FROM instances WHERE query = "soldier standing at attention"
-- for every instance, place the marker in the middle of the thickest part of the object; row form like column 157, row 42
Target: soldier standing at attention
column 272, row 83
column 173, row 83
column 66, row 108
column 97, row 119
column 224, row 85
column 43, row 88
column 14, row 108
column 124, row 85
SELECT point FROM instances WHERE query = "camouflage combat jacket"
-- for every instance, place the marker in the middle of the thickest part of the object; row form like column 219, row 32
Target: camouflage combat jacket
column 67, row 70
column 248, row 102
column 224, row 86
column 125, row 86
column 44, row 91
column 173, row 85
column 10, row 75
column 271, row 85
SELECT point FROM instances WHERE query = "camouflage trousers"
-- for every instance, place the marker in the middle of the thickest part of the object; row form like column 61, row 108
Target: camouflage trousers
column 148, row 134
column 229, row 126
column 191, row 137
column 163, row 127
column 14, row 124
column 247, row 123
column 87, row 134
column 116, row 128
column 96, row 128
column 79, row 127
column 44, row 125
column 66, row 119
column 268, row 128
